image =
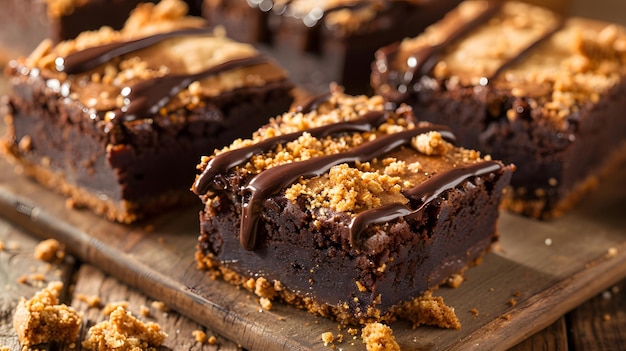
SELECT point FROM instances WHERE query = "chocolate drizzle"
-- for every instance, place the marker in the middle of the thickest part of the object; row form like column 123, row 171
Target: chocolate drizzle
column 419, row 197
column 272, row 180
column 147, row 97
column 89, row 58
column 422, row 61
column 236, row 157
column 313, row 103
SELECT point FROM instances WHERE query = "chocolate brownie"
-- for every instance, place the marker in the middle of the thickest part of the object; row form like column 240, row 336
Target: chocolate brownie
column 524, row 85
column 117, row 120
column 325, row 41
column 347, row 209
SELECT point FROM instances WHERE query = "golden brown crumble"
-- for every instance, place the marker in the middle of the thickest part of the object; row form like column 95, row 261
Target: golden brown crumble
column 91, row 301
column 429, row 310
column 49, row 250
column 379, row 337
column 200, row 336
column 328, row 338
column 160, row 305
column 123, row 332
column 112, row 306
column 42, row 319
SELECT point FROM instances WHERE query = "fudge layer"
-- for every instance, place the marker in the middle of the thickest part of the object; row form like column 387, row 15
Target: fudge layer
column 347, row 209
column 524, row 85
column 117, row 120
column 325, row 41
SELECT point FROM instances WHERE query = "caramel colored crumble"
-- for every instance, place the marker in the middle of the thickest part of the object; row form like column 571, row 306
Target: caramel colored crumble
column 159, row 305
column 611, row 252
column 429, row 310
column 431, row 143
column 379, row 337
column 328, row 338
column 265, row 303
column 91, row 301
column 200, row 336
column 123, row 332
column 347, row 189
column 474, row 311
column 112, row 306
column 455, row 280
column 42, row 319
column 212, row 340
column 144, row 311
column 48, row 250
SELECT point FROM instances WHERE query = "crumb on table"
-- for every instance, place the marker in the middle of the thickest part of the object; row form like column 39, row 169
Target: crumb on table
column 42, row 319
column 123, row 332
column 379, row 337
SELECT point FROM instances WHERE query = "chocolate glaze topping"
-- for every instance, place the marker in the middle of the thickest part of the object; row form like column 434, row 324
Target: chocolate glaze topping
column 313, row 103
column 89, row 58
column 209, row 179
column 424, row 59
column 272, row 180
column 419, row 197
column 147, row 97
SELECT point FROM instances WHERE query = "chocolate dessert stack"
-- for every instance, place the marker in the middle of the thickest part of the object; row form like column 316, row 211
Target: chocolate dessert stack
column 117, row 120
column 320, row 42
column 524, row 85
column 348, row 210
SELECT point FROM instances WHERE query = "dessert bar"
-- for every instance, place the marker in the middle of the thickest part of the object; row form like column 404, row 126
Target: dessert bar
column 326, row 41
column 348, row 210
column 116, row 120
column 524, row 85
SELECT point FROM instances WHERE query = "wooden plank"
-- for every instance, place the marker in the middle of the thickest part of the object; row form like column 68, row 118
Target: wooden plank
column 92, row 282
column 600, row 324
column 544, row 280
column 553, row 337
column 16, row 263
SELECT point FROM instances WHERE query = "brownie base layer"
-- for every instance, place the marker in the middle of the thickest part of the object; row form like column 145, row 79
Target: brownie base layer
column 556, row 166
column 309, row 263
column 130, row 173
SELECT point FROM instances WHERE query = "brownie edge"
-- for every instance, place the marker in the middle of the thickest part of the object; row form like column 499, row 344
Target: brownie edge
column 319, row 240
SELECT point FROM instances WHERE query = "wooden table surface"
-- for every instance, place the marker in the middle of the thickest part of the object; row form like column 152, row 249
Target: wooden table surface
column 597, row 324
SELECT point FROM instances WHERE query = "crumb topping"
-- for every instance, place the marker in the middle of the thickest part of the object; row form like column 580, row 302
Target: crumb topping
column 102, row 88
column 48, row 250
column 123, row 332
column 572, row 67
column 352, row 188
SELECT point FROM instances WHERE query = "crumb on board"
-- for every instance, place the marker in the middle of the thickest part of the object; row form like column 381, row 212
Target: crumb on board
column 429, row 310
column 123, row 332
column 200, row 336
column 474, row 311
column 379, row 337
column 159, row 305
column 454, row 281
column 49, row 250
column 265, row 303
column 512, row 302
column 144, row 311
column 328, row 338
column 112, row 306
column 611, row 252
column 91, row 301
column 42, row 319
column 212, row 340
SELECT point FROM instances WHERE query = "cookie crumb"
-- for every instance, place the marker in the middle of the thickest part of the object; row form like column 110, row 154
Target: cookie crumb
column 612, row 252
column 474, row 311
column 42, row 319
column 144, row 311
column 91, row 301
column 200, row 336
column 454, row 281
column 328, row 338
column 123, row 332
column 379, row 337
column 160, row 305
column 112, row 306
column 212, row 340
column 48, row 250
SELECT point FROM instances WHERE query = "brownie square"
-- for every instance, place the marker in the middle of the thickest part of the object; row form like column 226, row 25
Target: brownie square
column 348, row 210
column 116, row 120
column 524, row 85
column 320, row 42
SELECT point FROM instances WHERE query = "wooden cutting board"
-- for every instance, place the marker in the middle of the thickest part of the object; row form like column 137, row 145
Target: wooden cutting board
column 541, row 271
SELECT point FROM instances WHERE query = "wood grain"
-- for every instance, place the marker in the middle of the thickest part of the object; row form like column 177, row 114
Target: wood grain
column 156, row 257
